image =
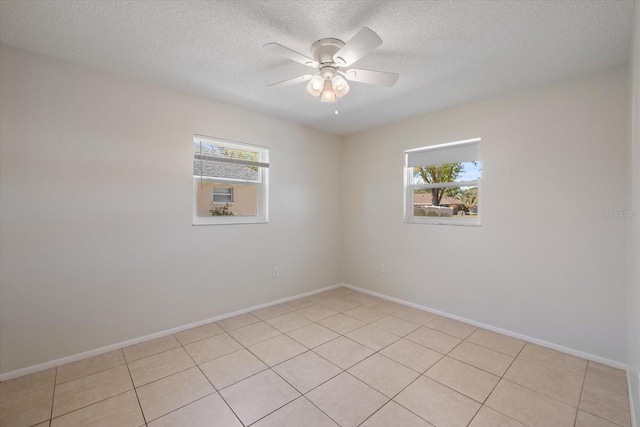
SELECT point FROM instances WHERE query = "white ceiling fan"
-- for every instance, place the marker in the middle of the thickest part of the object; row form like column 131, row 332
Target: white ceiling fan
column 331, row 57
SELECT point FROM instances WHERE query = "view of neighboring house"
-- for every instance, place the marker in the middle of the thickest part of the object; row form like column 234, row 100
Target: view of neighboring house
column 449, row 206
column 217, row 187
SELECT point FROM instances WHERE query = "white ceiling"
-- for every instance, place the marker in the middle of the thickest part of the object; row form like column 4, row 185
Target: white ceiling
column 446, row 52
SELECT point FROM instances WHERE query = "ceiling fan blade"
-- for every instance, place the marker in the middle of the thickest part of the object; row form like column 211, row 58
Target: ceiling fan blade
column 292, row 81
column 278, row 49
column 371, row 77
column 361, row 44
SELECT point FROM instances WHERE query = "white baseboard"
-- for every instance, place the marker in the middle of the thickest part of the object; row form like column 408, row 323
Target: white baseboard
column 571, row 351
column 58, row 362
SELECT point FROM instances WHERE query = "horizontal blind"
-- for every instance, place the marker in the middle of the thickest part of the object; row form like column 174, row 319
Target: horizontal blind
column 459, row 152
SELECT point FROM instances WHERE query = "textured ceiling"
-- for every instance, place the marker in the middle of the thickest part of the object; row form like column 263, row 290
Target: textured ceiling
column 446, row 52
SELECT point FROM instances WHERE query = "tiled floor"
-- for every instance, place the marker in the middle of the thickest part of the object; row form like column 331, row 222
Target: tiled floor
column 335, row 358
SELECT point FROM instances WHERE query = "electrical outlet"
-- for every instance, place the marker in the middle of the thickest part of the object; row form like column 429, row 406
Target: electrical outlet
column 381, row 268
column 274, row 272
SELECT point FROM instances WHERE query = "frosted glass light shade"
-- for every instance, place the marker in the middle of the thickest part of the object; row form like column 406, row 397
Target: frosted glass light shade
column 315, row 85
column 340, row 85
column 327, row 95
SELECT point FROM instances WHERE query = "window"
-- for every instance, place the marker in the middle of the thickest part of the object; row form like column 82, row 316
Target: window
column 229, row 182
column 223, row 195
column 442, row 184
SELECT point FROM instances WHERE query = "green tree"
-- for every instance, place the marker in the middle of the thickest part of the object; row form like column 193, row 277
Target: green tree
column 440, row 173
column 470, row 197
column 234, row 153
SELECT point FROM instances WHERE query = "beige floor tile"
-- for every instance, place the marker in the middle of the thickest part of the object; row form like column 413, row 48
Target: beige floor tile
column 168, row 394
column 235, row 322
column 482, row 357
column 585, row 419
column 316, row 312
column 90, row 389
column 393, row 414
column 312, row 335
column 234, row 367
column 343, row 352
column 212, row 348
column 414, row 315
column 26, row 384
column 322, row 296
column 253, row 334
column 463, row 378
column 530, row 407
column 288, row 322
column 605, row 404
column 365, row 314
column 206, row 412
column 552, row 359
column 27, row 409
column 487, row 417
column 277, row 350
column 412, row 355
column 437, row 404
column 298, row 304
column 259, row 395
column 605, row 377
column 383, row 374
column 298, row 413
column 430, row 338
column 386, row 306
column 144, row 371
column 44, row 424
column 372, row 337
column 89, row 366
column 198, row 333
column 270, row 312
column 451, row 327
column 563, row 387
column 498, row 342
column 339, row 304
column 149, row 348
column 347, row 400
column 341, row 324
column 122, row 410
column 395, row 325
column 360, row 298
column 307, row 371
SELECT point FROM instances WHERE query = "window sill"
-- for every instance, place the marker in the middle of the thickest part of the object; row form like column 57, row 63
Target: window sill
column 445, row 222
column 198, row 224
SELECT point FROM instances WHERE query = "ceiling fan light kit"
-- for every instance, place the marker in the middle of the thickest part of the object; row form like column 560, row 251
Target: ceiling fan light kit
column 329, row 56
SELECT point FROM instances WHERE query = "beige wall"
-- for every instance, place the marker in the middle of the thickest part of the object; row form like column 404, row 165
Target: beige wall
column 244, row 199
column 96, row 209
column 559, row 278
column 633, row 355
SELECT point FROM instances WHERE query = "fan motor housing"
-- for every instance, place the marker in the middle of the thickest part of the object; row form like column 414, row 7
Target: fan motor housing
column 323, row 50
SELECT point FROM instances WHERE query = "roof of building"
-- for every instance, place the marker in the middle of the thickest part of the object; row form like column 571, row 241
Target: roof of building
column 215, row 169
column 425, row 198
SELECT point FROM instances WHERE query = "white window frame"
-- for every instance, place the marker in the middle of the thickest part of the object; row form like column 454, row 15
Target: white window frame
column 449, row 150
column 214, row 194
column 262, row 184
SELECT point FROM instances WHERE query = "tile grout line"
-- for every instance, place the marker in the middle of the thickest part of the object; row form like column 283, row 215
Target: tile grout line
column 270, row 368
column 135, row 390
column 494, row 387
column 215, row 389
column 53, row 396
column 584, row 379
